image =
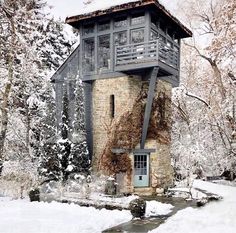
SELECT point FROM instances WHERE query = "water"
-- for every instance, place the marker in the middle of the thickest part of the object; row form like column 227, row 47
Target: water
column 148, row 224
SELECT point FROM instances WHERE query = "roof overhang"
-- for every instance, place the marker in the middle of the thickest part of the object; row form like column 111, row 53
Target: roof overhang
column 77, row 19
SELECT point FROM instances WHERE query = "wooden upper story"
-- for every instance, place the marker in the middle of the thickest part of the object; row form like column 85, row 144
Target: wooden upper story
column 129, row 38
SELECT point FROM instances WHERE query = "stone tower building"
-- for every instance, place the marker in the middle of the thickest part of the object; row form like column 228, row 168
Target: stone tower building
column 129, row 60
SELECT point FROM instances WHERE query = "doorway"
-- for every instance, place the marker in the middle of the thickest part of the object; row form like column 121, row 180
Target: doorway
column 141, row 170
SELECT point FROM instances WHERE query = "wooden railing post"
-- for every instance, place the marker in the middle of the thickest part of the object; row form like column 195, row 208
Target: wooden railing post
column 115, row 63
column 157, row 49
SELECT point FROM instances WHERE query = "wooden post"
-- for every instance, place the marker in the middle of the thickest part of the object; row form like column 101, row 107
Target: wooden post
column 148, row 109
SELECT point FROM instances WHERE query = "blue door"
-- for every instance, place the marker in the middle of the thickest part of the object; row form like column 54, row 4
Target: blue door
column 141, row 170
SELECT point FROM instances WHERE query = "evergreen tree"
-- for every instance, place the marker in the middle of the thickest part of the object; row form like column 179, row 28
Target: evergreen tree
column 50, row 165
column 79, row 157
column 30, row 48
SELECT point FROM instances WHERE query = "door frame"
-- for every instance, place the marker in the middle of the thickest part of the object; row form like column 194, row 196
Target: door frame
column 148, row 169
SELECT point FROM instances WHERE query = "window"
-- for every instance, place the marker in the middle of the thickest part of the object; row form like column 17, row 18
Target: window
column 121, row 22
column 138, row 19
column 153, row 35
column 154, row 21
column 120, row 38
column 104, row 52
column 162, row 39
column 103, row 26
column 140, row 165
column 169, row 44
column 137, row 36
column 88, row 29
column 163, row 26
column 112, row 106
column 72, row 85
column 89, row 55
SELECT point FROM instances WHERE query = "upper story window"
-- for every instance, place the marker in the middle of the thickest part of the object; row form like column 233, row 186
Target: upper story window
column 137, row 36
column 104, row 52
column 162, row 26
column 121, row 22
column 153, row 35
column 89, row 55
column 138, row 19
column 103, row 26
column 120, row 38
column 88, row 29
column 154, row 21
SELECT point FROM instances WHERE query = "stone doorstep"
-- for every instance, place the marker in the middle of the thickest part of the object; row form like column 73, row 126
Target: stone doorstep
column 146, row 191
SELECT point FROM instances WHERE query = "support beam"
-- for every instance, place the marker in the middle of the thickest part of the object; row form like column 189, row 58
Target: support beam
column 148, row 109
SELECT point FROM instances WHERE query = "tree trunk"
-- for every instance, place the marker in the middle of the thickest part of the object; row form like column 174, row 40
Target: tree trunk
column 7, row 91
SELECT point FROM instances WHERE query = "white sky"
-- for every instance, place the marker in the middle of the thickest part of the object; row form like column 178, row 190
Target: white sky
column 63, row 8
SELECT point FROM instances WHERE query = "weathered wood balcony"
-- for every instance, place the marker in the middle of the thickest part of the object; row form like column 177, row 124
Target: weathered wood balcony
column 144, row 55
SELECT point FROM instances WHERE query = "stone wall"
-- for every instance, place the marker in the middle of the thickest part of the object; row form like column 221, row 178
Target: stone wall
column 125, row 90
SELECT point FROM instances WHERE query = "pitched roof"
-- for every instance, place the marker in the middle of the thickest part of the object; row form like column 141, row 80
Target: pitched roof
column 112, row 6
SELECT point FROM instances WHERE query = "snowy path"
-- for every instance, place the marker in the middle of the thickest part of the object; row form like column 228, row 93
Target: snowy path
column 215, row 217
column 21, row 216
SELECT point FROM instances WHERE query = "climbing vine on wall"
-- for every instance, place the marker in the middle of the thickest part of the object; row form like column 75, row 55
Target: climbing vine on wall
column 125, row 132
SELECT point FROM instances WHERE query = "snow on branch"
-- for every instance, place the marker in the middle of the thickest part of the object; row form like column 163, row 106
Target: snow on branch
column 198, row 98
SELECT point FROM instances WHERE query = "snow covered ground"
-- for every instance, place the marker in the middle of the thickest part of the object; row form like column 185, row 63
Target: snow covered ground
column 22, row 216
column 155, row 208
column 215, row 217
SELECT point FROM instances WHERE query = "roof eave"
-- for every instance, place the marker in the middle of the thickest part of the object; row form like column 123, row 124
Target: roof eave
column 126, row 6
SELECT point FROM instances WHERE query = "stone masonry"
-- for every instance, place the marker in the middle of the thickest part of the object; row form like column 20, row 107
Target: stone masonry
column 125, row 90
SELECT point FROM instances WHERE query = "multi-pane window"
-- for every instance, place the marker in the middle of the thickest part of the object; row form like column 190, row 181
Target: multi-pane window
column 169, row 44
column 153, row 35
column 138, row 19
column 121, row 22
column 162, row 26
column 137, row 36
column 88, row 29
column 103, row 26
column 120, row 38
column 89, row 55
column 140, row 164
column 154, row 21
column 104, row 51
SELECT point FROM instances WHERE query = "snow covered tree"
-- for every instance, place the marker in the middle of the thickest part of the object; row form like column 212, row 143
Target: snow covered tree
column 79, row 157
column 204, row 123
column 15, row 59
column 31, row 47
column 50, row 166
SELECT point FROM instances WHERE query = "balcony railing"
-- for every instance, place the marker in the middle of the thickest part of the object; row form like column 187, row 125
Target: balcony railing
column 147, row 52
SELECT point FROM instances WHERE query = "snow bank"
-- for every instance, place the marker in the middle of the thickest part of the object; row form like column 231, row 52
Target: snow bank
column 21, row 216
column 216, row 217
column 155, row 208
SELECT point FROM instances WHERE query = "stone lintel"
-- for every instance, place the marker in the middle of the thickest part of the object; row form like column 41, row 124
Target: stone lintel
column 141, row 151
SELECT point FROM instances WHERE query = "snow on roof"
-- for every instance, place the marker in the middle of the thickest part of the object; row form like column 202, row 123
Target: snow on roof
column 101, row 5
column 96, row 5
column 98, row 8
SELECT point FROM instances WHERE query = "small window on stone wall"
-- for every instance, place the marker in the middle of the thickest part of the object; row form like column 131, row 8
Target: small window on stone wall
column 112, row 106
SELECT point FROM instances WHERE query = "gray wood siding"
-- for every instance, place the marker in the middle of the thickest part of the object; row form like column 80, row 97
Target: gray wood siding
column 65, row 82
column 166, row 57
column 88, row 116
